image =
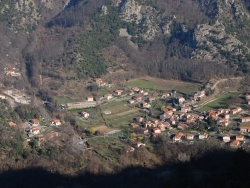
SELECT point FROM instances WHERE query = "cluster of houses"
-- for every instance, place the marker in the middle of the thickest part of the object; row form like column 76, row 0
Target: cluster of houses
column 179, row 137
column 221, row 116
column 235, row 141
column 199, row 95
column 181, row 119
column 132, row 148
column 35, row 125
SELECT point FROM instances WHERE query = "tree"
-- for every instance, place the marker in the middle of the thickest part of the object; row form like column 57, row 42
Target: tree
column 92, row 130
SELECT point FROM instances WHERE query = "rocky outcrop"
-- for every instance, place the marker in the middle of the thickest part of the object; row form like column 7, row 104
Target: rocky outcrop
column 217, row 41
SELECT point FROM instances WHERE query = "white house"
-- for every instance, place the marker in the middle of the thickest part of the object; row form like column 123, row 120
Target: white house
column 190, row 136
column 90, row 98
column 56, row 122
column 203, row 136
column 178, row 137
column 85, row 114
column 226, row 138
column 35, row 130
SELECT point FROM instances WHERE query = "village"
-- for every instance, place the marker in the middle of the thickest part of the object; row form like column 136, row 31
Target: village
column 177, row 120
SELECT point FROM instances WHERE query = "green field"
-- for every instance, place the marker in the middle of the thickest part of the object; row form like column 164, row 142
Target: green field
column 221, row 102
column 116, row 106
column 63, row 99
column 164, row 85
column 121, row 115
column 122, row 121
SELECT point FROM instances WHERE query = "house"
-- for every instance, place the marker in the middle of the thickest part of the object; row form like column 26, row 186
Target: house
column 85, row 114
column 177, row 137
column 227, row 110
column 182, row 126
column 139, row 97
column 118, row 92
column 165, row 95
column 180, row 100
column 156, row 130
column 245, row 119
column 146, row 105
column 136, row 89
column 240, row 137
column 34, row 122
column 151, row 98
column 148, row 123
column 248, row 102
column 247, row 95
column 2, row 96
column 172, row 121
column 226, row 138
column 212, row 113
column 167, row 125
column 199, row 95
column 236, row 110
column 203, row 136
column 244, row 129
column 145, row 93
column 130, row 149
column 222, row 122
column 191, row 119
column 165, row 116
column 108, row 96
column 140, row 144
column 227, row 116
column 139, row 119
column 132, row 101
column 56, row 122
column 162, row 125
column 155, row 122
column 185, row 109
column 90, row 98
column 235, row 143
column 11, row 124
column 190, row 136
column 99, row 82
column 35, row 130
column 131, row 92
column 133, row 125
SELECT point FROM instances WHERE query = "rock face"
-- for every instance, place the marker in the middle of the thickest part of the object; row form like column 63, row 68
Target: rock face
column 27, row 13
column 143, row 15
column 212, row 41
column 215, row 41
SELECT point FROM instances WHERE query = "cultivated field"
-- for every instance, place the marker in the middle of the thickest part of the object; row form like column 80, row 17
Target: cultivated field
column 164, row 85
column 221, row 102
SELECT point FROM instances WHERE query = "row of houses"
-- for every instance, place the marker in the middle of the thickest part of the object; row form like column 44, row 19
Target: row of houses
column 188, row 136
